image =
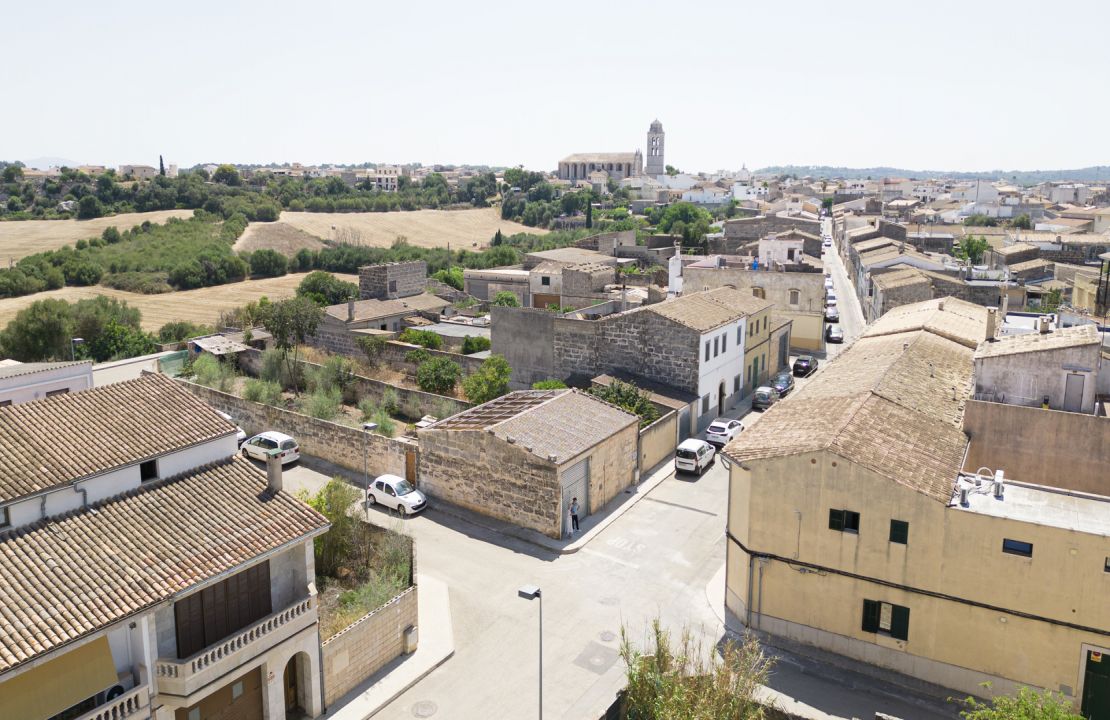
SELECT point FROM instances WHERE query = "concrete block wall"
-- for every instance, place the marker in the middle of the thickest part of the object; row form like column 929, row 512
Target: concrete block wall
column 345, row 446
column 367, row 645
column 389, row 281
column 524, row 336
column 658, row 441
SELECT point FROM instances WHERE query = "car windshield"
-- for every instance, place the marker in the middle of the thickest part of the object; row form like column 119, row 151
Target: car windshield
column 717, row 428
column 762, row 394
column 686, row 454
column 403, row 487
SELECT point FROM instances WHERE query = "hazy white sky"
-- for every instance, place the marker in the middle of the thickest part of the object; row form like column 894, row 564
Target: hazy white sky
column 964, row 85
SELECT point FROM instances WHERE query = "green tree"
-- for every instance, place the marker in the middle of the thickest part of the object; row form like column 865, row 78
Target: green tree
column 333, row 547
column 827, row 203
column 423, row 338
column 450, row 276
column 227, row 175
column 630, row 398
column 438, row 375
column 589, row 211
column 671, row 170
column 1027, row 704
column 323, row 288
column 41, row 331
column 111, row 235
column 268, row 263
column 161, row 167
column 475, row 344
column 291, row 322
column 89, row 207
column 490, row 381
column 973, row 249
column 505, row 299
column 116, row 341
column 179, row 330
column 1023, row 222
column 12, row 173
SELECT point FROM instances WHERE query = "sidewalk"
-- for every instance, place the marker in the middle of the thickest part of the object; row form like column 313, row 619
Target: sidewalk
column 590, row 526
column 436, row 643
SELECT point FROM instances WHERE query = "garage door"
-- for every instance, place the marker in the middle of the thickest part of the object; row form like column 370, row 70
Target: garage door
column 576, row 484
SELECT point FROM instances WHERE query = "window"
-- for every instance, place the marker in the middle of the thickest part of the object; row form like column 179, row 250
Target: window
column 53, row 393
column 706, row 349
column 148, row 470
column 5, row 403
column 236, row 690
column 758, row 292
column 1105, row 567
column 899, row 531
column 885, row 618
column 545, row 280
column 795, row 297
column 5, row 521
column 194, row 713
column 212, row 614
column 392, row 286
column 739, row 335
column 716, row 346
column 705, row 404
column 844, row 521
column 736, row 389
column 724, row 342
column 1017, row 547
column 764, row 322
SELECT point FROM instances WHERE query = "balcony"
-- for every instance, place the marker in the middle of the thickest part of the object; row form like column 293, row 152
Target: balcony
column 186, row 676
column 132, row 705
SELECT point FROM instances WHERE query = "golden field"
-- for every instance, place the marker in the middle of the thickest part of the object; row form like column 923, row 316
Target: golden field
column 461, row 229
column 20, row 238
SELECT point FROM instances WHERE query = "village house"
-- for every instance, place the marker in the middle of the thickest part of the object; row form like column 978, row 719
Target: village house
column 523, row 457
column 24, row 382
column 133, row 598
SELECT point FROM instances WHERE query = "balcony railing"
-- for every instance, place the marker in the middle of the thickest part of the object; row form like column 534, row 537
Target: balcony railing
column 185, row 676
column 132, row 705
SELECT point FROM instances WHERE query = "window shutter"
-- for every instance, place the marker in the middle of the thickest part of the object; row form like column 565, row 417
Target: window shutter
column 900, row 623
column 189, row 623
column 836, row 519
column 871, row 611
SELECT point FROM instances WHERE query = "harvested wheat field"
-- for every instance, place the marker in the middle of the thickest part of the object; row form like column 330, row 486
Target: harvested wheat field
column 19, row 238
column 423, row 228
column 202, row 305
column 279, row 236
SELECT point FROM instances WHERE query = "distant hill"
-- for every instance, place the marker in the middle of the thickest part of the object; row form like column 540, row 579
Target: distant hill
column 45, row 163
column 1095, row 173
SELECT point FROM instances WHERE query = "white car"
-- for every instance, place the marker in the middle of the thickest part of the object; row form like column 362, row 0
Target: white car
column 828, row 283
column 827, row 243
column 721, row 431
column 240, row 434
column 830, row 298
column 261, row 445
column 396, row 493
column 693, row 456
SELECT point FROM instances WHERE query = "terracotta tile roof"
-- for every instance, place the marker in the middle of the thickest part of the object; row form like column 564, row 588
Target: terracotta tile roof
column 1060, row 339
column 114, row 426
column 899, row 278
column 1031, row 264
column 560, row 423
column 373, row 309
column 1015, row 249
column 709, row 310
column 69, row 576
column 16, row 369
column 957, row 320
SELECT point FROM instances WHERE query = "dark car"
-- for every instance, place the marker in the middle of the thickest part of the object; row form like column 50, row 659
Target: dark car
column 834, row 334
column 783, row 382
column 764, row 397
column 805, row 365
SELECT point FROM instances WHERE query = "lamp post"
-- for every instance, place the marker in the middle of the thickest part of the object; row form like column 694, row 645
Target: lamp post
column 531, row 592
column 367, row 428
column 73, row 343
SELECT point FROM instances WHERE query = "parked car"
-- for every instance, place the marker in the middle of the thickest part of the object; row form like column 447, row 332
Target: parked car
column 396, row 493
column 805, row 366
column 828, row 283
column 765, row 396
column 830, row 298
column 693, row 456
column 721, row 431
column 260, row 446
column 832, row 314
column 827, row 243
column 783, row 383
column 834, row 334
column 240, row 433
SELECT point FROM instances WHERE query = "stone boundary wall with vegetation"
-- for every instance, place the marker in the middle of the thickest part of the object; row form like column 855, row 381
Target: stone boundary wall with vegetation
column 414, row 404
column 658, row 441
column 367, row 645
column 395, row 351
column 345, row 446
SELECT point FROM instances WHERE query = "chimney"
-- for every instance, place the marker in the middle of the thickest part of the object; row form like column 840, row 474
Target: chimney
column 350, row 310
column 1043, row 324
column 992, row 323
column 273, row 472
column 999, row 484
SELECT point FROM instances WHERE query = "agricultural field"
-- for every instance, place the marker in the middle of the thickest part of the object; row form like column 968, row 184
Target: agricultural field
column 461, row 229
column 19, row 238
column 202, row 305
column 279, row 236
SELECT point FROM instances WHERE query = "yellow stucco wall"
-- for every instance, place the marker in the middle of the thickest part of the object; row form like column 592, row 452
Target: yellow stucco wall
column 782, row 507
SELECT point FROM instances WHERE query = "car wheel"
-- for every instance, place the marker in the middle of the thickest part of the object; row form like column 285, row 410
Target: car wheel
column 370, row 499
column 245, row 454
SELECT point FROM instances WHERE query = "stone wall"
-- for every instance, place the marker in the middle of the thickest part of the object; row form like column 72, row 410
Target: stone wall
column 744, row 230
column 445, row 292
column 480, row 472
column 658, row 441
column 367, row 645
column 395, row 352
column 614, row 467
column 525, row 337
column 392, row 280
column 332, row 335
column 345, row 446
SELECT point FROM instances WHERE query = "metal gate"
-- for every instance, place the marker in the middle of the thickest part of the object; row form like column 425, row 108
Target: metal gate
column 1073, row 393
column 575, row 481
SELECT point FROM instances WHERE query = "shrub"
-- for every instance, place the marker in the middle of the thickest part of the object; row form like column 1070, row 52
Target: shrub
column 333, row 501
column 505, row 299
column 630, row 398
column 490, row 381
column 179, row 330
column 322, row 404
column 261, row 391
column 212, row 373
column 276, row 370
column 268, row 263
column 417, row 357
column 451, row 276
column 549, row 385
column 424, row 338
column 323, row 287
column 372, row 413
column 474, row 344
column 373, row 346
column 146, row 283
column 1027, row 704
column 337, row 373
column 78, row 272
column 390, row 402
column 111, row 235
column 438, row 375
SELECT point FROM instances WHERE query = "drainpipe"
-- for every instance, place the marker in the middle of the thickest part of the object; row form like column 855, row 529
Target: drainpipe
column 751, row 572
column 84, row 495
column 42, row 507
column 759, row 622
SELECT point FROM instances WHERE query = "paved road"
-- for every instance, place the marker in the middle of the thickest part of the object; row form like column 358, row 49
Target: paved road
column 654, row 561
column 851, row 316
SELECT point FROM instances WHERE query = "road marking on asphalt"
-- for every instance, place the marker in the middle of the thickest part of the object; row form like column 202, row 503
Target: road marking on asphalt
column 684, row 507
column 618, row 561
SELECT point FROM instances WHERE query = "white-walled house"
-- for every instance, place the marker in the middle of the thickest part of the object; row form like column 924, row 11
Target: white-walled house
column 154, row 574
column 24, row 382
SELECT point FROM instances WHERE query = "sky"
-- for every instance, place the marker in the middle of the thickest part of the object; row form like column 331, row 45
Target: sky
column 965, row 85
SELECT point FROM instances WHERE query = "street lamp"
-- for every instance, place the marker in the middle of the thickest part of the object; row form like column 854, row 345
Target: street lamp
column 367, row 428
column 73, row 343
column 532, row 592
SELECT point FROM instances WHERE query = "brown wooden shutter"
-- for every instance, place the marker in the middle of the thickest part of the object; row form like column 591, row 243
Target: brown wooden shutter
column 189, row 622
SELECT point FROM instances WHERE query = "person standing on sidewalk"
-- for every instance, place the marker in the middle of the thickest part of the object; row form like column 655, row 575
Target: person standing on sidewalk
column 573, row 515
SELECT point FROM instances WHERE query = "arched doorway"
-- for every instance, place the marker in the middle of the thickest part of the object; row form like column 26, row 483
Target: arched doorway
column 721, row 399
column 295, row 685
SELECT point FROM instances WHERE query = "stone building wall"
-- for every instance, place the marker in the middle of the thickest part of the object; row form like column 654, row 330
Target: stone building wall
column 525, row 337
column 480, row 472
column 904, row 295
column 614, row 466
column 389, row 281
column 332, row 335
column 367, row 645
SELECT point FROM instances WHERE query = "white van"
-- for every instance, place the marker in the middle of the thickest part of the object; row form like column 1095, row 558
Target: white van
column 693, row 456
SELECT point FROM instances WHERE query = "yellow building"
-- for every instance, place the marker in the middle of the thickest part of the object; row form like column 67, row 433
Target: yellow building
column 852, row 526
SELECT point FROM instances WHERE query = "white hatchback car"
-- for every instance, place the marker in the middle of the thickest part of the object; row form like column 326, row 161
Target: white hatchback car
column 721, row 431
column 261, row 445
column 693, row 456
column 396, row 493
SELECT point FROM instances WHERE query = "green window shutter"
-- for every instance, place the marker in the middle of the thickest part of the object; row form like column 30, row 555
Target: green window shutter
column 871, row 612
column 900, row 622
column 836, row 519
column 899, row 531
